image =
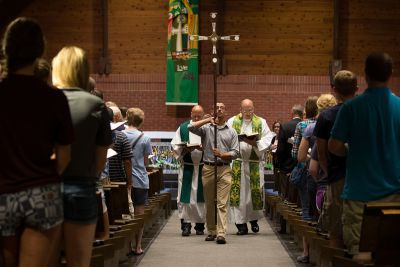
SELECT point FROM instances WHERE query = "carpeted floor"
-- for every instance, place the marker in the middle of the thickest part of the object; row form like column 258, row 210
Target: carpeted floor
column 171, row 249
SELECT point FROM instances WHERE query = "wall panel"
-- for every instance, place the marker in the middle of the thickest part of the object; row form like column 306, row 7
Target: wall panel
column 282, row 57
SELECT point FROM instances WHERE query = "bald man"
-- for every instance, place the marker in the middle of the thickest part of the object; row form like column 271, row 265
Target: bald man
column 246, row 196
column 190, row 198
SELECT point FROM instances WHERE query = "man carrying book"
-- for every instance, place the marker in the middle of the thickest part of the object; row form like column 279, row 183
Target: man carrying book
column 190, row 200
column 246, row 195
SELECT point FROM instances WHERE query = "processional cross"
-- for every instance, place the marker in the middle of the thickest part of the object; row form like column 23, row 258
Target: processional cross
column 214, row 38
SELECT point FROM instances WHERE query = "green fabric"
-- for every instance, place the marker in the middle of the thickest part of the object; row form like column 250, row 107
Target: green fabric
column 182, row 66
column 254, row 167
column 188, row 170
column 184, row 132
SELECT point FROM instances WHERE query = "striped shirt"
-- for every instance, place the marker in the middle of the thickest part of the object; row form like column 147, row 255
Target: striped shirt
column 115, row 164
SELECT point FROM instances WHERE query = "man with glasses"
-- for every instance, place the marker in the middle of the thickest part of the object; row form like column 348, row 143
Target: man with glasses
column 246, row 195
column 226, row 150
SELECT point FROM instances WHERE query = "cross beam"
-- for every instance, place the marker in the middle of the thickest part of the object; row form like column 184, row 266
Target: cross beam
column 214, row 37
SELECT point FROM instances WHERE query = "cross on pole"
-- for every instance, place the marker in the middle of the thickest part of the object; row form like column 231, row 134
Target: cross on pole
column 214, row 38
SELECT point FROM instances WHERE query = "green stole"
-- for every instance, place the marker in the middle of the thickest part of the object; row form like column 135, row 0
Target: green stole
column 254, row 166
column 188, row 170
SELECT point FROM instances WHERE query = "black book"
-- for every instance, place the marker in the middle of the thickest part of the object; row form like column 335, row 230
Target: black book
column 253, row 136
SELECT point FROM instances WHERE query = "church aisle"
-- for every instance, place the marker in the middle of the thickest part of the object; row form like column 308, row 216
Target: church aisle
column 171, row 249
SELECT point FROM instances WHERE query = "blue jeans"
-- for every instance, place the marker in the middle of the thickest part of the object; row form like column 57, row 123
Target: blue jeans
column 307, row 193
column 80, row 201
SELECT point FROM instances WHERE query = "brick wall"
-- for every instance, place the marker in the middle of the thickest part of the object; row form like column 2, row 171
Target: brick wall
column 273, row 95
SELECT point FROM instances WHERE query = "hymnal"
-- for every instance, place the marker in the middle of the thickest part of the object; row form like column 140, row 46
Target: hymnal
column 253, row 136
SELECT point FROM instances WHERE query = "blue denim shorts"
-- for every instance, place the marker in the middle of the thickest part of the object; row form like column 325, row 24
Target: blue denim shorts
column 80, row 202
column 139, row 196
column 39, row 207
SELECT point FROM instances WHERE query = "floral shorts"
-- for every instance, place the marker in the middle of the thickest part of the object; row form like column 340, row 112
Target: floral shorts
column 39, row 207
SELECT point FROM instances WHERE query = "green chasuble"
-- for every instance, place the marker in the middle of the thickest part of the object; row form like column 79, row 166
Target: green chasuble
column 188, row 170
column 254, row 166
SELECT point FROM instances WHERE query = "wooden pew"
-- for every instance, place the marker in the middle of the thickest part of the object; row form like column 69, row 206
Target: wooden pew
column 108, row 253
column 270, row 206
column 123, row 231
column 118, row 243
column 380, row 233
column 96, row 261
column 166, row 202
column 338, row 261
column 328, row 252
column 156, row 181
column 100, row 223
column 128, row 236
column 117, row 201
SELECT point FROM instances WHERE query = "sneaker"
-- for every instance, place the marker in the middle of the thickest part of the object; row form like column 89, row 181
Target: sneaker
column 303, row 259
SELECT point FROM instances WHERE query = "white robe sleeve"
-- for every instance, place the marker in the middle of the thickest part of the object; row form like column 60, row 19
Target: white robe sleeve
column 266, row 137
column 230, row 122
column 177, row 140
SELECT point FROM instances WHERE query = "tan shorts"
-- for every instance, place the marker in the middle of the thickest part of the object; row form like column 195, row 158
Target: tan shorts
column 335, row 209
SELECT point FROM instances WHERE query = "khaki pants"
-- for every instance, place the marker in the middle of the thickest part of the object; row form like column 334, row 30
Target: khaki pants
column 224, row 181
column 352, row 220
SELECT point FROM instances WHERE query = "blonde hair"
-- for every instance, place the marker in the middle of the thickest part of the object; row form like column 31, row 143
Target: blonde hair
column 325, row 101
column 71, row 68
column 135, row 117
column 345, row 82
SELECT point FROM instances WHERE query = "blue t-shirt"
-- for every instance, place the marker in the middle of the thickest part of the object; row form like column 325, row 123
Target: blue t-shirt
column 370, row 124
column 142, row 148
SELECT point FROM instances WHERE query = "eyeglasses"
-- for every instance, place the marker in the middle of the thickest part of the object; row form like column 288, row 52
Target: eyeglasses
column 248, row 111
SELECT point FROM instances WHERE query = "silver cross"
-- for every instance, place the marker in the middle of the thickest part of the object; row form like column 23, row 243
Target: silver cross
column 214, row 37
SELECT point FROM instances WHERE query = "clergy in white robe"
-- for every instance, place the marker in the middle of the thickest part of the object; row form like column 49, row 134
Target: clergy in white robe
column 246, row 197
column 190, row 200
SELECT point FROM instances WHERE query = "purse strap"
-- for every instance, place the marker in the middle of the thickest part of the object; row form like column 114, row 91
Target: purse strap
column 137, row 140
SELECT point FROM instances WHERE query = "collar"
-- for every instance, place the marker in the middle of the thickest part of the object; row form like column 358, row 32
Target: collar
column 220, row 127
column 377, row 89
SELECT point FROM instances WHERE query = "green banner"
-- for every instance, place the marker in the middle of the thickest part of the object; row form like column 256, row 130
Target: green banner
column 182, row 53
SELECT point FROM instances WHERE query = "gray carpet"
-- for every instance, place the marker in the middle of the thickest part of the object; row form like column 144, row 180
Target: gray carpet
column 171, row 249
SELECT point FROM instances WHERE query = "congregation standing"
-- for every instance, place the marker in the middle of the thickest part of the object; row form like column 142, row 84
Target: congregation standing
column 49, row 177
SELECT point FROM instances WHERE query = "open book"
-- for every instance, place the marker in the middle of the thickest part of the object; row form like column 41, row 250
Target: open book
column 253, row 136
column 189, row 145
